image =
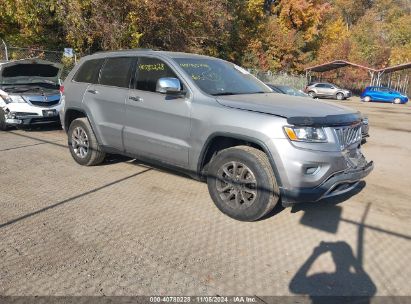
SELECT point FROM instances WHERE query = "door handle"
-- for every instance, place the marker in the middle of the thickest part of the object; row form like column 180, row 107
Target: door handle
column 136, row 98
column 92, row 91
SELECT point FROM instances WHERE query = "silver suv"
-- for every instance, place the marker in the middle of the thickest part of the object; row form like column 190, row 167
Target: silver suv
column 327, row 90
column 216, row 122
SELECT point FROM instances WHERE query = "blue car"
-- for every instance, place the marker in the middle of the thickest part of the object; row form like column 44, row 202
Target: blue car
column 383, row 94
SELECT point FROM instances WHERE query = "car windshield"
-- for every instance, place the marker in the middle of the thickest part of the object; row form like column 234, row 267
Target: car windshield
column 218, row 77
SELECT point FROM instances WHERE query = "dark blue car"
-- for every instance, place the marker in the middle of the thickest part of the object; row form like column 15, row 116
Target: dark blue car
column 383, row 94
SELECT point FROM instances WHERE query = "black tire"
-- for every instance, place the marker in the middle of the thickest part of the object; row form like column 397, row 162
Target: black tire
column 93, row 155
column 257, row 166
column 3, row 125
column 339, row 96
column 312, row 94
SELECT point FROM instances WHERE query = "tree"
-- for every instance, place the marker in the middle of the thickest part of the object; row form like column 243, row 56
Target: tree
column 33, row 22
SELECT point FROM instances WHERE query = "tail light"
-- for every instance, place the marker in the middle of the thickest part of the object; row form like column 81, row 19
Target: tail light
column 61, row 89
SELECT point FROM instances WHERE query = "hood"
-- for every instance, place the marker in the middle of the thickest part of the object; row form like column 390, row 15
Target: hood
column 297, row 110
column 30, row 71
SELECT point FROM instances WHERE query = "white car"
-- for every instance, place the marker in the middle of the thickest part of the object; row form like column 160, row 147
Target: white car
column 29, row 92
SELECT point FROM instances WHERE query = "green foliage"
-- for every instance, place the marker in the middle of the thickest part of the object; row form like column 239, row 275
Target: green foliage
column 272, row 35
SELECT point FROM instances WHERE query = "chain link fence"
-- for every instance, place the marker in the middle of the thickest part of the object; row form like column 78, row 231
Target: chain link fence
column 281, row 78
column 8, row 53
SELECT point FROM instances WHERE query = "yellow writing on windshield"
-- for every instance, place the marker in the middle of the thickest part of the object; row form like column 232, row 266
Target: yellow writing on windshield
column 152, row 67
column 194, row 65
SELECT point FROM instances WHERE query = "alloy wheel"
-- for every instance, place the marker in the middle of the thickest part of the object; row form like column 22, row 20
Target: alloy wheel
column 80, row 142
column 236, row 185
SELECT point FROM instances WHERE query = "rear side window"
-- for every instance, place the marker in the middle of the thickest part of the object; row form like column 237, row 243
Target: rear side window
column 117, row 71
column 89, row 70
column 149, row 70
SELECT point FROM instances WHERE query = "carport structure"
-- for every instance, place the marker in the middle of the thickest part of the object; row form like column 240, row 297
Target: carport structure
column 396, row 77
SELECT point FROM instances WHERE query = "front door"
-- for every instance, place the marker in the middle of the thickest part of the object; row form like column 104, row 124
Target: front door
column 157, row 125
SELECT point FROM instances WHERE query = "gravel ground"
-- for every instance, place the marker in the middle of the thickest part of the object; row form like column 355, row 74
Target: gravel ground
column 123, row 228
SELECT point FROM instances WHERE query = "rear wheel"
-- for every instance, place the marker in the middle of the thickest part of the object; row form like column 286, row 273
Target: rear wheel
column 397, row 101
column 367, row 98
column 83, row 144
column 340, row 96
column 312, row 94
column 242, row 184
column 3, row 125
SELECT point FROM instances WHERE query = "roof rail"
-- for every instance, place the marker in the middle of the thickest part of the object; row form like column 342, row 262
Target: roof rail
column 126, row 50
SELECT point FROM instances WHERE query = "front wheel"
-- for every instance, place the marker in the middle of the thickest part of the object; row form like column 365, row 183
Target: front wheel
column 242, row 184
column 397, row 101
column 340, row 96
column 312, row 94
column 83, row 144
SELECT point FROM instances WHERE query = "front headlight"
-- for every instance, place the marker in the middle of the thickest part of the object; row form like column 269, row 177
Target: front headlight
column 16, row 99
column 5, row 96
column 307, row 134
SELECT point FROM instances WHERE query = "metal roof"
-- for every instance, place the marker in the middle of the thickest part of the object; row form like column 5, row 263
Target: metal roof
column 395, row 68
column 336, row 64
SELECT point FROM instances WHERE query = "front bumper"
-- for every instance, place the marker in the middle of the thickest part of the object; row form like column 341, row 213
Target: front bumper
column 336, row 184
column 25, row 114
column 32, row 120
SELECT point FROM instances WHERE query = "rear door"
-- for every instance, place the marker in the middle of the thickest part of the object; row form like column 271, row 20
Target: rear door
column 106, row 101
column 157, row 125
column 86, row 74
column 320, row 87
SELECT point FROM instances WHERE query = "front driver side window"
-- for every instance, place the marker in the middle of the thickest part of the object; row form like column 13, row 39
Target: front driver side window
column 148, row 71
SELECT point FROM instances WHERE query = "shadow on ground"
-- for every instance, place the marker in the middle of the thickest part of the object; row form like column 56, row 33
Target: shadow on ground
column 349, row 283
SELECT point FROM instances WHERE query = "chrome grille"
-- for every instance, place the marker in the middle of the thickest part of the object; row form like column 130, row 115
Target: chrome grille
column 348, row 135
column 45, row 103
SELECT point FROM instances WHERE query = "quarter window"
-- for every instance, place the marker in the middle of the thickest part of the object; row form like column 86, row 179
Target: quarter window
column 117, row 71
column 148, row 71
column 89, row 70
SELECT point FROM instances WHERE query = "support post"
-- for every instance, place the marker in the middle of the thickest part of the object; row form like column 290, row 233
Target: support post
column 5, row 50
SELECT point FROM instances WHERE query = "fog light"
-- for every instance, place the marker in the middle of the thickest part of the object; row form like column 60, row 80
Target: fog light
column 311, row 170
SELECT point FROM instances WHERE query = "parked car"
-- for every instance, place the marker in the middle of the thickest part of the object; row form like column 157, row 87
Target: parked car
column 326, row 90
column 283, row 89
column 29, row 92
column 215, row 121
column 383, row 94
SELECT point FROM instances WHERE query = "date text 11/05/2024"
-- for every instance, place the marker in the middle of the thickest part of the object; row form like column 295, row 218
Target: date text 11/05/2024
column 203, row 299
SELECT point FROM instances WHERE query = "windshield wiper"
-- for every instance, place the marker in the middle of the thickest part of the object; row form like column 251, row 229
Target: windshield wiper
column 225, row 93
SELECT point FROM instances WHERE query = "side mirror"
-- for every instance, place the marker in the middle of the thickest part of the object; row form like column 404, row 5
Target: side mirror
column 168, row 85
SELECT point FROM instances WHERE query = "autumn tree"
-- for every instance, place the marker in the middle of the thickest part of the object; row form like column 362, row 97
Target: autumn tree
column 277, row 35
column 30, row 23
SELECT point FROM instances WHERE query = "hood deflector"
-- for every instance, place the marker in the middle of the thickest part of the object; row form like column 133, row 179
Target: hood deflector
column 326, row 121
